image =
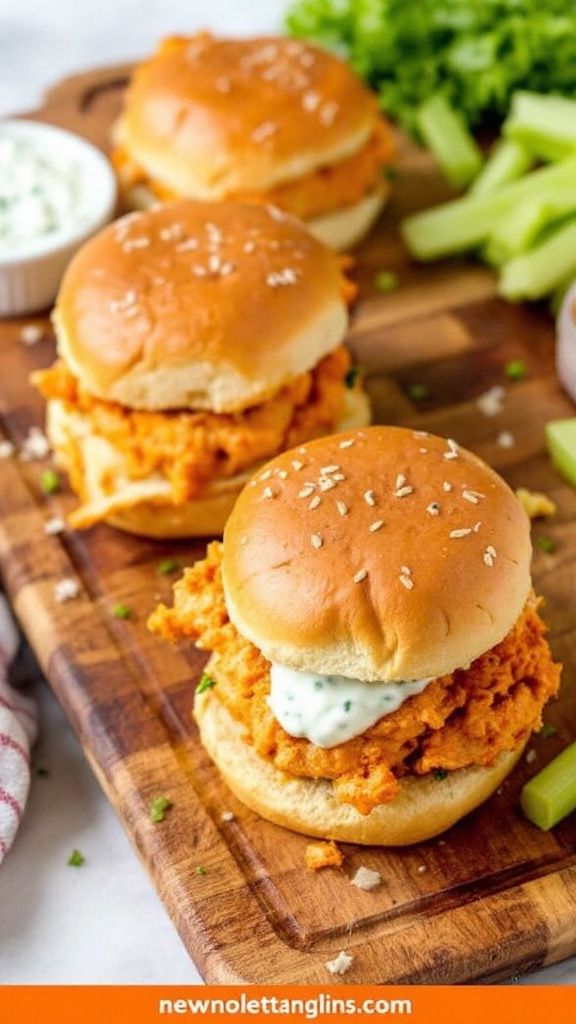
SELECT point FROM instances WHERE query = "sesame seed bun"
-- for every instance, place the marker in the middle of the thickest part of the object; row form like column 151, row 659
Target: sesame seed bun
column 214, row 118
column 380, row 554
column 199, row 305
column 423, row 808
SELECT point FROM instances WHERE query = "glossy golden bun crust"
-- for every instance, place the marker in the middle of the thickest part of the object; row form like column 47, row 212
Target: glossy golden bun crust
column 424, row 807
column 199, row 306
column 379, row 554
column 211, row 117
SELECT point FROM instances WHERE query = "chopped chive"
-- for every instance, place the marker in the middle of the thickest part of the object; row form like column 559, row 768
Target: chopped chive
column 386, row 281
column 158, row 808
column 547, row 730
column 545, row 544
column 515, row 369
column 50, row 481
column 206, row 683
column 122, row 611
column 168, row 565
column 201, row 870
column 418, row 392
column 440, row 774
column 76, row 859
column 352, row 376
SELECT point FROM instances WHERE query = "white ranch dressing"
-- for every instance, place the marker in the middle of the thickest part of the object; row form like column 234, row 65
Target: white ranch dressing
column 42, row 193
column 329, row 710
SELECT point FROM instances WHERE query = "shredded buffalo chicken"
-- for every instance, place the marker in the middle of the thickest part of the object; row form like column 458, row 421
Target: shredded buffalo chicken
column 194, row 448
column 322, row 191
column 462, row 719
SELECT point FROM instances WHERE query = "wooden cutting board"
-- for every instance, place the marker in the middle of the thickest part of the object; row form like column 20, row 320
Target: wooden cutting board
column 493, row 897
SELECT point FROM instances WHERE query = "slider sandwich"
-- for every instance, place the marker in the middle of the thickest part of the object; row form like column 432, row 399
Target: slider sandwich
column 272, row 120
column 195, row 341
column 378, row 661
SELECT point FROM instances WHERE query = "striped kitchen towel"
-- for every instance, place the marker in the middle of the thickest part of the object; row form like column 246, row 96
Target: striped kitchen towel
column 18, row 727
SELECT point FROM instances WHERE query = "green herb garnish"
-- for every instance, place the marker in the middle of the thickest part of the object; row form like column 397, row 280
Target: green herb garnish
column 547, row 730
column 76, row 859
column 158, row 808
column 206, row 683
column 122, row 611
column 515, row 369
column 386, row 281
column 201, row 870
column 545, row 544
column 50, row 481
column 168, row 565
column 440, row 774
column 418, row 392
column 352, row 376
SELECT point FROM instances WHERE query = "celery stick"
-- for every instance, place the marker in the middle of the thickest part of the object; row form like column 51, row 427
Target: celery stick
column 561, row 443
column 444, row 132
column 519, row 229
column 548, row 797
column 466, row 222
column 544, row 124
column 536, row 273
column 507, row 161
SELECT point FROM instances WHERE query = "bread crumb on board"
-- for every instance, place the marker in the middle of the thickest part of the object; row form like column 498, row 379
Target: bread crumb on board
column 366, row 879
column 323, row 855
column 535, row 503
column 341, row 964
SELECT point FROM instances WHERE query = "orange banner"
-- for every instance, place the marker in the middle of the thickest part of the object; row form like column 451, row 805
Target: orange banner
column 294, row 1004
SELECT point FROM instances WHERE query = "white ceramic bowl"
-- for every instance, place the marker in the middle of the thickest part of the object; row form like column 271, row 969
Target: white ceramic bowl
column 32, row 265
column 566, row 343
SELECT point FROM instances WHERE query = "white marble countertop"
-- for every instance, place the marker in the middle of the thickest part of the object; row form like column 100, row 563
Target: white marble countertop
column 104, row 923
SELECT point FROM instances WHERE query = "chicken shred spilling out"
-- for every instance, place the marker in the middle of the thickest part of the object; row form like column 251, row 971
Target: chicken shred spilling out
column 463, row 719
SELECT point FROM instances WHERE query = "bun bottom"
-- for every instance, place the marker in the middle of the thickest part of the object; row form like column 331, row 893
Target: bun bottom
column 423, row 809
column 339, row 230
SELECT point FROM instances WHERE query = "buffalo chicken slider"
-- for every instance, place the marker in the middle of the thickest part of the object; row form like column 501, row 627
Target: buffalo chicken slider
column 195, row 341
column 378, row 659
column 271, row 120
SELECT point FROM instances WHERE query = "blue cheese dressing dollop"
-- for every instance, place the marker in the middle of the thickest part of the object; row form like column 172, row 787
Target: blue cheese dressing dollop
column 41, row 193
column 329, row 710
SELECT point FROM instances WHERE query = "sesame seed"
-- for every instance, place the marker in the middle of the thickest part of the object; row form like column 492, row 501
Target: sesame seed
column 310, row 101
column 405, row 570
column 315, row 502
column 316, row 540
column 264, row 131
column 297, row 465
column 267, row 492
column 453, row 452
column 360, row 576
column 306, row 491
column 406, row 581
column 338, row 477
column 282, row 473
column 369, row 498
column 342, row 508
column 472, row 496
column 400, row 480
column 266, row 474
column 249, row 246
column 446, row 486
column 329, row 469
column 491, row 551
column 433, row 509
column 54, row 526
column 456, row 534
column 277, row 279
column 403, row 492
column 376, row 526
column 187, row 246
column 328, row 113
column 488, row 559
column 326, row 484
column 347, row 443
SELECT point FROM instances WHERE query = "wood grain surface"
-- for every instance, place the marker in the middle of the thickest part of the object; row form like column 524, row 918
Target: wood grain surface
column 492, row 898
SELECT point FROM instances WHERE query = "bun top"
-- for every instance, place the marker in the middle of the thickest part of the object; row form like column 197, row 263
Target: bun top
column 199, row 305
column 378, row 554
column 211, row 117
